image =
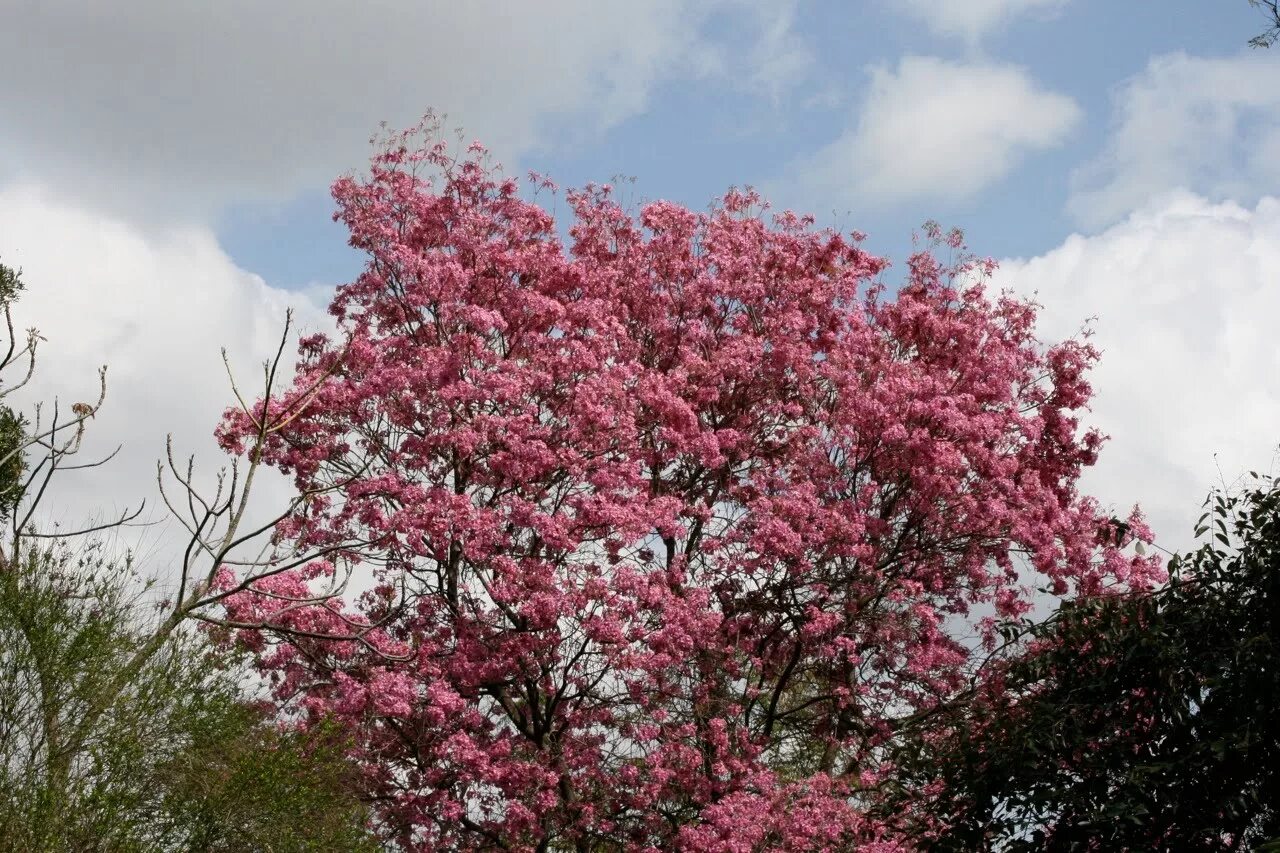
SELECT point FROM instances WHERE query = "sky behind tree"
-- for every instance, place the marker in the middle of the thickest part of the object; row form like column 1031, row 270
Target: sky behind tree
column 164, row 171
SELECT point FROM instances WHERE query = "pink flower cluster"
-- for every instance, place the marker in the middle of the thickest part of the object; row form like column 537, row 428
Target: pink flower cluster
column 674, row 525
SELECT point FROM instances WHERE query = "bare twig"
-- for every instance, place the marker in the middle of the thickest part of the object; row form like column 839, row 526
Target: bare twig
column 1271, row 9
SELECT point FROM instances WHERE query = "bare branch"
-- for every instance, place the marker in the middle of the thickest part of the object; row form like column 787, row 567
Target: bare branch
column 125, row 520
column 1271, row 9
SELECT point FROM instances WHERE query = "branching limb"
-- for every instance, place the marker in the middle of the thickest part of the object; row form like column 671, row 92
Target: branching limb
column 1271, row 9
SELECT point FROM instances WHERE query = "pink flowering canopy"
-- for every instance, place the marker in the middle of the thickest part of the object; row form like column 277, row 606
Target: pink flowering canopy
column 673, row 527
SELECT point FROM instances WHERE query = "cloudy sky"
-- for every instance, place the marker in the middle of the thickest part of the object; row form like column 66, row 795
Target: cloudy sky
column 164, row 170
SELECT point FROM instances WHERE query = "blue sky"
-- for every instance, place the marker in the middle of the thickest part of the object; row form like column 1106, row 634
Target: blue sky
column 696, row 138
column 164, row 171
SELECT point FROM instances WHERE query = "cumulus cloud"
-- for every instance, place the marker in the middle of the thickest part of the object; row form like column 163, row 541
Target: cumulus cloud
column 1186, row 387
column 156, row 309
column 1185, row 297
column 936, row 129
column 173, row 109
column 1209, row 125
column 972, row 19
column 779, row 57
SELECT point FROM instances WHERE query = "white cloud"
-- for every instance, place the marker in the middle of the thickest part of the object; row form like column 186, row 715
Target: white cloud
column 779, row 58
column 937, row 129
column 156, row 309
column 1183, row 292
column 175, row 109
column 972, row 19
column 1185, row 297
column 1208, row 125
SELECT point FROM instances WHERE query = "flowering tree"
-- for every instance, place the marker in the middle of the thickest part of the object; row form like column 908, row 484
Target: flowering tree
column 675, row 527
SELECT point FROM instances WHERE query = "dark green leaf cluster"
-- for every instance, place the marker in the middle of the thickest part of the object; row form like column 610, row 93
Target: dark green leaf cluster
column 13, row 425
column 13, row 434
column 1134, row 722
column 10, row 284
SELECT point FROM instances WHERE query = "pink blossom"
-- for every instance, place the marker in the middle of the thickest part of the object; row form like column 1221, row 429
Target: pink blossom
column 652, row 508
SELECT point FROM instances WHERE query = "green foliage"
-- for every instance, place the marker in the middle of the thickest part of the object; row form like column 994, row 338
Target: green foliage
column 1147, row 722
column 10, row 284
column 12, row 425
column 13, row 433
column 95, row 756
column 122, row 728
column 242, row 783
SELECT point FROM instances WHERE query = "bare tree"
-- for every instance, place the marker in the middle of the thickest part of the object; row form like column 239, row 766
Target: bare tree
column 223, row 544
column 220, row 535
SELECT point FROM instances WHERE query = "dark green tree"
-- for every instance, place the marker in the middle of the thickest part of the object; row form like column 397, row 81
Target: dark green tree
column 12, row 424
column 1135, row 722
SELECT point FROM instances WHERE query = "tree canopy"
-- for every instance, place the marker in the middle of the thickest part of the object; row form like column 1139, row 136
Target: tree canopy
column 673, row 528
column 672, row 531
column 1134, row 722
